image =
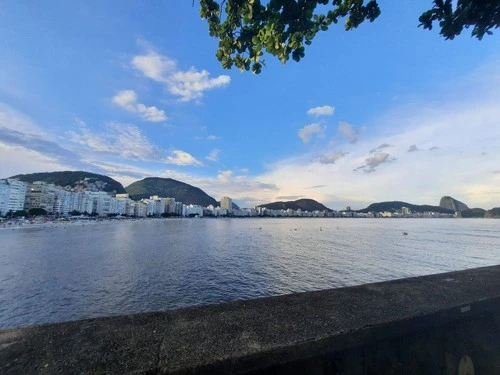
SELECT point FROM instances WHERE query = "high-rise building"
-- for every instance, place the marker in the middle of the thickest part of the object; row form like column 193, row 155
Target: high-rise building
column 12, row 195
column 40, row 195
column 227, row 204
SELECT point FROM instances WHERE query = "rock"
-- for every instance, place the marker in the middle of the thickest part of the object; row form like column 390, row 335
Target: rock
column 452, row 204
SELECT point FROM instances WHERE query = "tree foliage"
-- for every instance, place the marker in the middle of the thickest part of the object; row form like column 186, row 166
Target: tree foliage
column 282, row 28
column 37, row 212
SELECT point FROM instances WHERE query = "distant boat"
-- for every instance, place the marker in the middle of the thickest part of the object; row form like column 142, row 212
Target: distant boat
column 405, row 233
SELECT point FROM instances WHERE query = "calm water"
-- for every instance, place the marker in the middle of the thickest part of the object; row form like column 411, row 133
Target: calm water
column 74, row 272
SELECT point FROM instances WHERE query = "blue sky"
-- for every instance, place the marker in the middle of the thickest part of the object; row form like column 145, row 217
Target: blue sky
column 133, row 89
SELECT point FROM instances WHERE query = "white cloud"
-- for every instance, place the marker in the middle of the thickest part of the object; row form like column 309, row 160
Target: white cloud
column 325, row 110
column 188, row 85
column 20, row 160
column 127, row 99
column 127, row 141
column 118, row 139
column 212, row 138
column 331, row 157
column 213, row 155
column 348, row 131
column 179, row 157
column 12, row 119
column 154, row 66
column 309, row 131
column 225, row 176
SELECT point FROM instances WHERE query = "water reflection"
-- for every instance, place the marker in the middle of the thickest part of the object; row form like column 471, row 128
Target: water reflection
column 58, row 274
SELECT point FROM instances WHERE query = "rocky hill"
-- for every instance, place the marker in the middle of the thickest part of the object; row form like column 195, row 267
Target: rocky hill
column 168, row 187
column 473, row 212
column 78, row 180
column 493, row 213
column 397, row 205
column 452, row 204
column 303, row 204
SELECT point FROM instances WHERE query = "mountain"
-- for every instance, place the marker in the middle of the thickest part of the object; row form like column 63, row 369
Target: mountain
column 452, row 204
column 303, row 204
column 493, row 213
column 168, row 187
column 473, row 212
column 75, row 179
column 396, row 205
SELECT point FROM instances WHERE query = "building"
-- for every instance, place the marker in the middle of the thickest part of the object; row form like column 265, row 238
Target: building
column 226, row 203
column 170, row 205
column 12, row 195
column 40, row 195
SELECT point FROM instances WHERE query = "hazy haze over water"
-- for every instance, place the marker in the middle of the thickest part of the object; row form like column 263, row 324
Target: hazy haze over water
column 76, row 272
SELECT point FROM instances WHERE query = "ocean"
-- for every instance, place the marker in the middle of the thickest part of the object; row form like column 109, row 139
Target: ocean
column 71, row 272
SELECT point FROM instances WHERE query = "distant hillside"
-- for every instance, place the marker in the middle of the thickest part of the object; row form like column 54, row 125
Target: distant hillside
column 167, row 187
column 452, row 204
column 473, row 212
column 493, row 213
column 396, row 205
column 303, row 204
column 75, row 179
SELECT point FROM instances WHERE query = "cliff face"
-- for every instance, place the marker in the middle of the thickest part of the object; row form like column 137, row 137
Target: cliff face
column 452, row 204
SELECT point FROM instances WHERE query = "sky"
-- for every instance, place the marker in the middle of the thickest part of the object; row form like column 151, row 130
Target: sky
column 132, row 89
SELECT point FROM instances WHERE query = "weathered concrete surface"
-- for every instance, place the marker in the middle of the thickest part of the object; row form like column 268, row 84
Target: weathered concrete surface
column 355, row 330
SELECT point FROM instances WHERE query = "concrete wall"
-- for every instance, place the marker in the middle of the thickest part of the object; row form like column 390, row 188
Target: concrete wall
column 438, row 324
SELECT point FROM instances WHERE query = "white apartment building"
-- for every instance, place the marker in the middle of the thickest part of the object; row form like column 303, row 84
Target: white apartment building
column 12, row 195
column 140, row 209
column 103, row 203
column 170, row 205
column 194, row 210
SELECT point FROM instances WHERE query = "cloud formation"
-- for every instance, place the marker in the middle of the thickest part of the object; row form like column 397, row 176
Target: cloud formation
column 331, row 157
column 127, row 99
column 380, row 148
column 288, row 197
column 309, row 131
column 117, row 139
column 187, row 85
column 413, row 148
column 374, row 161
column 179, row 157
column 315, row 187
column 348, row 131
column 127, row 141
column 325, row 110
column 213, row 155
column 212, row 137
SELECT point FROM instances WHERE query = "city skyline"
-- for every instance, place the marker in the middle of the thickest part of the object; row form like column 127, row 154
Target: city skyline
column 385, row 112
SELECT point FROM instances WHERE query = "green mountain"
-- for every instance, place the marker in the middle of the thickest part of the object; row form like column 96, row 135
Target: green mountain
column 75, row 179
column 452, row 204
column 396, row 205
column 303, row 204
column 473, row 212
column 493, row 213
column 167, row 187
